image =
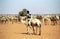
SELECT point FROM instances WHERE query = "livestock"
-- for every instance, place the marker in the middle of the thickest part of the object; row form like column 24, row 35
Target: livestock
column 3, row 19
column 46, row 20
column 39, row 17
column 53, row 20
column 33, row 23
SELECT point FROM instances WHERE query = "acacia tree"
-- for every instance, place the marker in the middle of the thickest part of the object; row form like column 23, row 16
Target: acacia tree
column 24, row 12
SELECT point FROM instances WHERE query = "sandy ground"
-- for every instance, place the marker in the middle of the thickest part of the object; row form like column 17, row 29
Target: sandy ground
column 18, row 31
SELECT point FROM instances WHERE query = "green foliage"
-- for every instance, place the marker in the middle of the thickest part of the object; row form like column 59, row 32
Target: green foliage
column 23, row 12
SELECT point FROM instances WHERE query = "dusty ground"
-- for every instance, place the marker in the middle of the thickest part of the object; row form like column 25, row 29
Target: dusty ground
column 16, row 30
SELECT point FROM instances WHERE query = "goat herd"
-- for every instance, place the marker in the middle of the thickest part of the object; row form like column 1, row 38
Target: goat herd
column 6, row 19
column 33, row 21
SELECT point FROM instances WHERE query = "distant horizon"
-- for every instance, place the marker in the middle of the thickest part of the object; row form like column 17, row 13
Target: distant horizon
column 34, row 6
column 33, row 13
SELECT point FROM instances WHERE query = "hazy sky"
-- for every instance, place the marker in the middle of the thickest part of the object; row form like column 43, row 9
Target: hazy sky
column 34, row 6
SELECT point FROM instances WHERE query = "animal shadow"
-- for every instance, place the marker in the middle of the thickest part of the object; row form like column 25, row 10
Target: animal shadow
column 29, row 34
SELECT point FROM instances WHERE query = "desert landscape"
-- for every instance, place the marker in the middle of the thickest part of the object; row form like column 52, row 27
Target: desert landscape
column 18, row 31
column 29, row 19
